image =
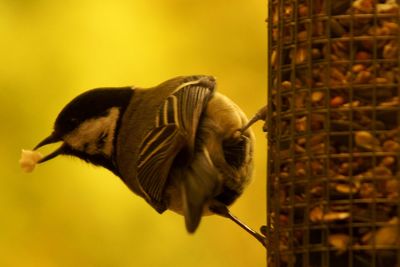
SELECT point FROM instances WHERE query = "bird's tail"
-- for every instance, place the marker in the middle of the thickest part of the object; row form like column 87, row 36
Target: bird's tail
column 199, row 186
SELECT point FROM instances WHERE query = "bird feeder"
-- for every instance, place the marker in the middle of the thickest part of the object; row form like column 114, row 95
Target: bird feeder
column 334, row 133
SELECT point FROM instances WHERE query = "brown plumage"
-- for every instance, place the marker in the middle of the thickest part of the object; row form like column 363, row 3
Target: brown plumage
column 179, row 145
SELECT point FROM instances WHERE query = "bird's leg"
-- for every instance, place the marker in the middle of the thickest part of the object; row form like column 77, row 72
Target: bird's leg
column 222, row 210
column 260, row 115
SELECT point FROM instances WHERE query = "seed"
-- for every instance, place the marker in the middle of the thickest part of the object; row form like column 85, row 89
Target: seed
column 363, row 77
column 301, row 55
column 288, row 11
column 286, row 85
column 315, row 53
column 274, row 58
column 392, row 187
column 301, row 36
column 303, row 10
column 363, row 6
column 337, row 28
column 366, row 140
column 391, row 146
column 353, row 104
column 387, row 7
column 346, row 188
column 339, row 241
column 387, row 235
column 367, row 190
column 317, row 96
column 395, row 101
column 362, row 55
column 301, row 124
column 392, row 27
column 316, row 214
column 299, row 149
column 388, row 161
column 381, row 171
column 335, row 216
column 381, row 80
column 358, row 67
column 299, row 100
column 337, row 101
column 390, row 50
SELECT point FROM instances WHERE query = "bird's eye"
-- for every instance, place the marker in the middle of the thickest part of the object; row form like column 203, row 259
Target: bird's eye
column 73, row 121
column 85, row 146
column 101, row 140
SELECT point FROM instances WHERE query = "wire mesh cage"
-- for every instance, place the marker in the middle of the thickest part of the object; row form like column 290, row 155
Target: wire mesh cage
column 334, row 133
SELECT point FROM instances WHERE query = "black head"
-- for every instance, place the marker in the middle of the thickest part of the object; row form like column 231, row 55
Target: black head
column 88, row 124
column 91, row 104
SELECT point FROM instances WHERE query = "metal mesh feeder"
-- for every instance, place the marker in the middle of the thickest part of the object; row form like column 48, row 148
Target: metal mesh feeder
column 334, row 133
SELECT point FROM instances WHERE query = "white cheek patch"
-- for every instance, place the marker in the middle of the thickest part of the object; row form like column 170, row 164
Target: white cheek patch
column 85, row 137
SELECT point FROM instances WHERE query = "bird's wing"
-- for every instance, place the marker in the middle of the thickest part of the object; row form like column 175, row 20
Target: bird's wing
column 174, row 128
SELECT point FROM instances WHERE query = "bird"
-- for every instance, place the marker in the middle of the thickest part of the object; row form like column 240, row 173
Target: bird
column 180, row 145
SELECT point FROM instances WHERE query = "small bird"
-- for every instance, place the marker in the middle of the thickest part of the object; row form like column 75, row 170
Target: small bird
column 180, row 145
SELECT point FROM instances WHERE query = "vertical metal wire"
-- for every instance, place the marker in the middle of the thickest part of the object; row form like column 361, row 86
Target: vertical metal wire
column 328, row 176
column 306, row 228
column 334, row 133
column 351, row 145
column 373, row 129
column 397, row 178
column 270, row 166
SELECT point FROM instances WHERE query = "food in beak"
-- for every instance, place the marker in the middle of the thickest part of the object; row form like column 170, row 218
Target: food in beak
column 29, row 159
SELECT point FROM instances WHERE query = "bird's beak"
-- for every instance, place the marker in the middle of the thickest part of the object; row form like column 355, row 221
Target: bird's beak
column 50, row 140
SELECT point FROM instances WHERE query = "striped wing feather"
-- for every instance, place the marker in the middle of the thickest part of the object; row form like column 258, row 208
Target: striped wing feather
column 174, row 128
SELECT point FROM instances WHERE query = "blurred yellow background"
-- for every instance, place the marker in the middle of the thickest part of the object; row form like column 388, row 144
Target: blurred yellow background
column 68, row 213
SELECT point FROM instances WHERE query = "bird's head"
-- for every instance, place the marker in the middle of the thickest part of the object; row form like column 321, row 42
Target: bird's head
column 88, row 125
